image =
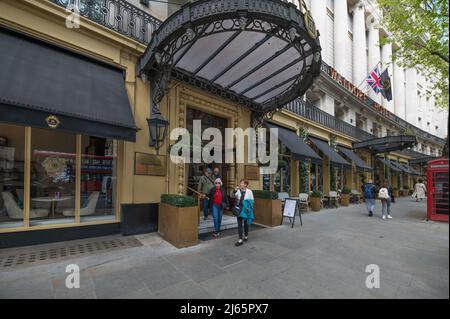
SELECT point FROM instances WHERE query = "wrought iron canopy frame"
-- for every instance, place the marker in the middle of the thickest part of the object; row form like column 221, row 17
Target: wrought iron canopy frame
column 422, row 160
column 197, row 20
column 387, row 144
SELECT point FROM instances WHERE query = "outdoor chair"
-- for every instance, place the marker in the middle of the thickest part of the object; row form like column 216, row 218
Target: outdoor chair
column 303, row 201
column 283, row 196
column 354, row 196
column 333, row 198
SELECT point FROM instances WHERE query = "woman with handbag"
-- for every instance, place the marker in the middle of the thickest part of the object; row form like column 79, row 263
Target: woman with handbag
column 218, row 202
column 385, row 196
column 243, row 210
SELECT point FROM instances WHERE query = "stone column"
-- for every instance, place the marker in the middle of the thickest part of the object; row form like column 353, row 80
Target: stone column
column 327, row 104
column 374, row 54
column 340, row 36
column 411, row 96
column 399, row 91
column 386, row 53
column 319, row 14
column 359, row 45
column 369, row 126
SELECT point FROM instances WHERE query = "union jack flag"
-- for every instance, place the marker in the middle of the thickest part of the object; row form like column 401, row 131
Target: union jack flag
column 374, row 80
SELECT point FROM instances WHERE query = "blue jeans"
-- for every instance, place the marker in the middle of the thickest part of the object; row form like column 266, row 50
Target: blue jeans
column 205, row 207
column 217, row 213
column 370, row 203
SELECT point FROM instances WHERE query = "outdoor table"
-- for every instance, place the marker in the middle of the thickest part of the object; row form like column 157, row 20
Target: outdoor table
column 52, row 201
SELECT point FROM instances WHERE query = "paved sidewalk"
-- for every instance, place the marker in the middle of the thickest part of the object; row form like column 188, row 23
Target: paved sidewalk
column 326, row 258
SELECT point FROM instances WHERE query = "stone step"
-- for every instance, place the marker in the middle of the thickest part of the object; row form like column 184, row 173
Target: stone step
column 207, row 226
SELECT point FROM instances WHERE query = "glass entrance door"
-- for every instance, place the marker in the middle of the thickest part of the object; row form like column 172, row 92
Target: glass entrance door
column 195, row 170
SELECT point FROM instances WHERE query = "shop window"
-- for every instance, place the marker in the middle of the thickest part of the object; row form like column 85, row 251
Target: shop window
column 52, row 188
column 98, row 187
column 12, row 154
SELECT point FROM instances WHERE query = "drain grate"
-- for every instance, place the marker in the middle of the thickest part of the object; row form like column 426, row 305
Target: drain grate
column 12, row 258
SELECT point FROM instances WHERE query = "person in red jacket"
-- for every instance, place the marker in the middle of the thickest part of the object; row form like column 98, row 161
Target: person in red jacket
column 218, row 202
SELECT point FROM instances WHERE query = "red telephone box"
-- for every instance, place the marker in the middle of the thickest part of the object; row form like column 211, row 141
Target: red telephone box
column 437, row 187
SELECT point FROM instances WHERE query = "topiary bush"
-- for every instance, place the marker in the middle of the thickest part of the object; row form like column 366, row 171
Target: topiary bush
column 178, row 200
column 316, row 194
column 265, row 194
column 346, row 190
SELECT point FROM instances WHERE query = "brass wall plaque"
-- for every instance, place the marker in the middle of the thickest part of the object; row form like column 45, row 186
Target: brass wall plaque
column 251, row 172
column 149, row 164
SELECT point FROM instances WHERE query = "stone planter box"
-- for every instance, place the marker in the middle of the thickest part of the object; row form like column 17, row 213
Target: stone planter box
column 345, row 199
column 178, row 225
column 315, row 203
column 268, row 212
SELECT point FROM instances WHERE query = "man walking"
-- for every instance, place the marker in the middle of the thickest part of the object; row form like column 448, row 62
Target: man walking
column 205, row 185
column 369, row 190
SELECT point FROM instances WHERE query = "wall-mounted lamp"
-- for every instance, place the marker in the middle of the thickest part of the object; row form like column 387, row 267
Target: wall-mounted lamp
column 157, row 125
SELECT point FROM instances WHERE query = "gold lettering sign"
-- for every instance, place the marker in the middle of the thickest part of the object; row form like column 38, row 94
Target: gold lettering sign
column 149, row 164
column 52, row 121
column 251, row 172
column 355, row 91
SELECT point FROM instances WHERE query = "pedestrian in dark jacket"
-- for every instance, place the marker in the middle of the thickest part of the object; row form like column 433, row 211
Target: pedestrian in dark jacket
column 370, row 193
column 218, row 202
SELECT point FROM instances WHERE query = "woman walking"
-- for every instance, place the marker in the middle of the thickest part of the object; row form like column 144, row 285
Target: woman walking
column 244, row 197
column 218, row 202
column 385, row 195
column 420, row 190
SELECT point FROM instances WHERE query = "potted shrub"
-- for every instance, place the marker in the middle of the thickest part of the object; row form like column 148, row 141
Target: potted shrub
column 267, row 208
column 345, row 196
column 315, row 199
column 178, row 220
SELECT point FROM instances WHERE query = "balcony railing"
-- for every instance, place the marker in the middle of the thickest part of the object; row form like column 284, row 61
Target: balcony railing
column 328, row 70
column 309, row 111
column 117, row 15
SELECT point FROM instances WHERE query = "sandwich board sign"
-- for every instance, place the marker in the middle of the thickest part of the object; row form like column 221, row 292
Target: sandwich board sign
column 290, row 209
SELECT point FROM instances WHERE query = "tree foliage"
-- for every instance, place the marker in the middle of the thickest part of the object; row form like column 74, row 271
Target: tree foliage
column 420, row 29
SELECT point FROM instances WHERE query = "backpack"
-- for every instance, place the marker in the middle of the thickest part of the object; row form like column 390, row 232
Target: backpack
column 383, row 193
column 367, row 190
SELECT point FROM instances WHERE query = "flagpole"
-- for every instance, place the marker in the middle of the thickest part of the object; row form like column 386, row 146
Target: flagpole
column 379, row 63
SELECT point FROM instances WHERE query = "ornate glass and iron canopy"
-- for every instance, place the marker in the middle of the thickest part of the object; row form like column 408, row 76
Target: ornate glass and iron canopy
column 387, row 144
column 260, row 54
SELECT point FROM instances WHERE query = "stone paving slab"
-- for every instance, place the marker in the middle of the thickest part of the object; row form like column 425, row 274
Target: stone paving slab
column 326, row 258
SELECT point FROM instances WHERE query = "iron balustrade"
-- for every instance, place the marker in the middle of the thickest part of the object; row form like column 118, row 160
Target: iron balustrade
column 309, row 111
column 117, row 15
column 401, row 122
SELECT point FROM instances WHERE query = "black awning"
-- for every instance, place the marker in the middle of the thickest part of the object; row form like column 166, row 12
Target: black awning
column 422, row 160
column 399, row 166
column 355, row 158
column 389, row 164
column 409, row 169
column 42, row 83
column 260, row 54
column 387, row 144
column 300, row 150
column 333, row 156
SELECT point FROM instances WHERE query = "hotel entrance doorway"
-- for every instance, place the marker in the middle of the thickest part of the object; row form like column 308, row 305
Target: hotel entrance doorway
column 195, row 170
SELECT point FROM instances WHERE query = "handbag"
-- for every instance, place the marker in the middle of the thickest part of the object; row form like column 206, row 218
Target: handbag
column 236, row 211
